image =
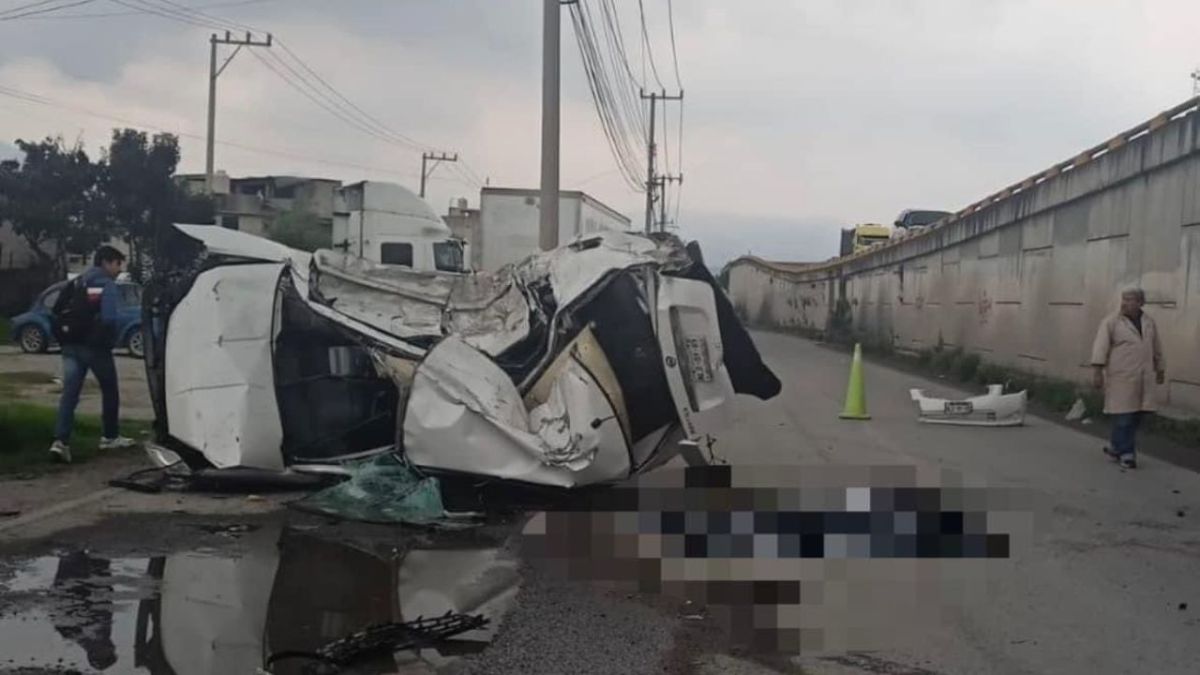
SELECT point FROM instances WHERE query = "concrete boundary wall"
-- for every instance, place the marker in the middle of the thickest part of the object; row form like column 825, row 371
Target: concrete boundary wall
column 1024, row 277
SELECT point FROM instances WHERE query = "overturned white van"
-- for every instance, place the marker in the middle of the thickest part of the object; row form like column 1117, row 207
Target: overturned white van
column 581, row 365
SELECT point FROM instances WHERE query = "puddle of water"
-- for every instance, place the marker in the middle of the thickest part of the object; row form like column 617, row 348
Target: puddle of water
column 214, row 612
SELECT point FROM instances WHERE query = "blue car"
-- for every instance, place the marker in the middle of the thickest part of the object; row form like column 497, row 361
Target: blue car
column 32, row 331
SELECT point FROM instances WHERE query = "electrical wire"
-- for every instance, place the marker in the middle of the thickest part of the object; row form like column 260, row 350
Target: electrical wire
column 306, row 80
column 296, row 72
column 614, row 116
column 16, row 13
column 646, row 42
column 325, row 90
column 30, row 97
column 137, row 12
column 679, row 163
column 674, row 53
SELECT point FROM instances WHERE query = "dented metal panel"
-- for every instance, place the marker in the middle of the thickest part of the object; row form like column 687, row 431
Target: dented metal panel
column 219, row 383
column 464, row 414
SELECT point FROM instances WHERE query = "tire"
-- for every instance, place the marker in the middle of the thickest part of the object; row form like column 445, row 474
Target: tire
column 33, row 340
column 136, row 343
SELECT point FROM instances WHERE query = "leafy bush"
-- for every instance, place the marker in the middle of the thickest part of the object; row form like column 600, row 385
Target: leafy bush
column 968, row 365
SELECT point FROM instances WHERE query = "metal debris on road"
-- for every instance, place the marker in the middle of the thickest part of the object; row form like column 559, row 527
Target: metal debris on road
column 993, row 409
column 387, row 638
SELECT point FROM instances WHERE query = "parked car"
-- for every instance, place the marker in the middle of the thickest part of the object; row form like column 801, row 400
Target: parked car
column 32, row 331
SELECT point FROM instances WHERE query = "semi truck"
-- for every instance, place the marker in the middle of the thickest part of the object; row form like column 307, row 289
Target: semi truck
column 389, row 224
column 860, row 237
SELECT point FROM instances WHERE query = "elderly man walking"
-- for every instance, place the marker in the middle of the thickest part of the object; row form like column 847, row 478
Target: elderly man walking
column 1128, row 361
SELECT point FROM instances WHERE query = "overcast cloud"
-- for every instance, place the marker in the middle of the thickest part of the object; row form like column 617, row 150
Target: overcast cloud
column 801, row 116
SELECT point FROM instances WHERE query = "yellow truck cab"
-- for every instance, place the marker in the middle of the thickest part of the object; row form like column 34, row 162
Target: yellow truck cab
column 861, row 237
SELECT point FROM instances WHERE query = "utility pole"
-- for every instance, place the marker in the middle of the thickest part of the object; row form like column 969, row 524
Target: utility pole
column 213, row 73
column 652, row 181
column 551, row 28
column 662, row 198
column 437, row 159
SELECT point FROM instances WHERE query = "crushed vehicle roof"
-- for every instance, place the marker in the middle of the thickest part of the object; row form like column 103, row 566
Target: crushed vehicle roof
column 580, row 365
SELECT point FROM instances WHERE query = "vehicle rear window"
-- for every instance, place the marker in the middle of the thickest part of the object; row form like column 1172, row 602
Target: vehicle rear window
column 396, row 254
column 131, row 294
column 50, row 298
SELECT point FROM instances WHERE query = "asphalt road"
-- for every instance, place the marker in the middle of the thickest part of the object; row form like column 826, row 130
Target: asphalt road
column 1105, row 581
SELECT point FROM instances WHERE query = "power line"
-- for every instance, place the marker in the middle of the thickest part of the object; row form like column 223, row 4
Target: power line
column 679, row 163
column 9, row 15
column 646, row 42
column 147, row 8
column 674, row 53
column 322, row 93
column 138, row 12
column 608, row 91
column 30, row 97
column 296, row 72
column 30, row 5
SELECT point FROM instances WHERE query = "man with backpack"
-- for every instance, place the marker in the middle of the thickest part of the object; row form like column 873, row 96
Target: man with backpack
column 85, row 324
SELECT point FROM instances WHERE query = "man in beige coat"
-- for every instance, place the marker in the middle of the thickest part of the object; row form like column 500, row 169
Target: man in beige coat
column 1128, row 361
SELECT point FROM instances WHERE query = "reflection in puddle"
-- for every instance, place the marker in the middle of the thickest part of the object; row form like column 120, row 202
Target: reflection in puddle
column 206, row 612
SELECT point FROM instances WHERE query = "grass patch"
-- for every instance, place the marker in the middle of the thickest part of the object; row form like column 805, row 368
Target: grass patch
column 5, row 329
column 27, row 430
column 20, row 377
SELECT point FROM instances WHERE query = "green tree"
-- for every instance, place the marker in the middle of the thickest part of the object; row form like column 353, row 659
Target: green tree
column 300, row 229
column 51, row 198
column 138, row 184
column 195, row 209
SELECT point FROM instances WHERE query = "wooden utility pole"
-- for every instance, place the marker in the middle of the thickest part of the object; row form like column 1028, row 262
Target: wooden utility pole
column 213, row 73
column 662, row 198
column 437, row 158
column 652, row 181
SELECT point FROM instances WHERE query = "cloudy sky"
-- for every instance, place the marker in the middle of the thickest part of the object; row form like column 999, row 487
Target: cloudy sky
column 800, row 116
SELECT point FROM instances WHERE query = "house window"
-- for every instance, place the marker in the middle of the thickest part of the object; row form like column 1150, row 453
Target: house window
column 285, row 192
column 229, row 222
column 396, row 254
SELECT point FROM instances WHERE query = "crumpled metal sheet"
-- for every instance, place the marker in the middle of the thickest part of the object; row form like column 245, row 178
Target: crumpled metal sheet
column 489, row 312
column 220, row 386
column 465, row 414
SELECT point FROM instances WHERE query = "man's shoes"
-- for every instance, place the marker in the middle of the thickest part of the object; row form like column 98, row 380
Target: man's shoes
column 118, row 443
column 59, row 452
column 1111, row 454
column 1128, row 462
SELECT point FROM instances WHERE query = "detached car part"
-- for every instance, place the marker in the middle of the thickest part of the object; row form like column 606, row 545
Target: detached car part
column 993, row 409
column 581, row 365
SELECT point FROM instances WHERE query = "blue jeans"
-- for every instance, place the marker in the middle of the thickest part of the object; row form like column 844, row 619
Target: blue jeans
column 1124, row 432
column 77, row 360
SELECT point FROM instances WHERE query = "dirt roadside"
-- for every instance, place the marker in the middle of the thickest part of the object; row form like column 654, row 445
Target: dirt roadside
column 135, row 397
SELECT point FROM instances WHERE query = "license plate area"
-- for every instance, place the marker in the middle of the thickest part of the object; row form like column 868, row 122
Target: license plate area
column 959, row 408
column 696, row 358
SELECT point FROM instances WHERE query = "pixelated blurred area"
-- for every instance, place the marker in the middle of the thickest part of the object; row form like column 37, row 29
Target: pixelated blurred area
column 790, row 559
